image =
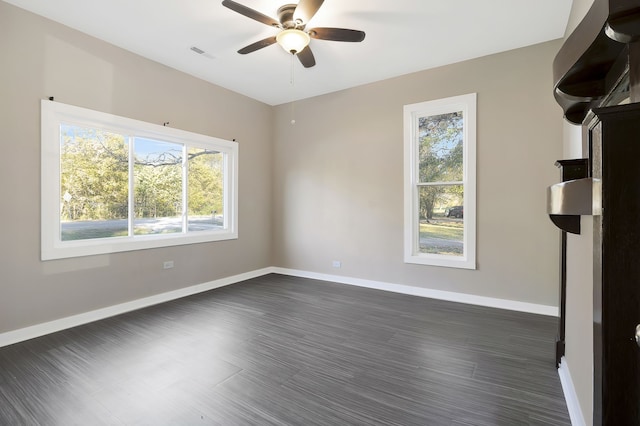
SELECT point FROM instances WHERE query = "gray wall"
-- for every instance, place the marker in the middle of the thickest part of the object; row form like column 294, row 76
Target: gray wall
column 579, row 320
column 338, row 178
column 41, row 59
column 579, row 324
column 327, row 188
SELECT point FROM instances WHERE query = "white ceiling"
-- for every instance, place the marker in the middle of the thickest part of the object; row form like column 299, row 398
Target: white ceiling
column 402, row 36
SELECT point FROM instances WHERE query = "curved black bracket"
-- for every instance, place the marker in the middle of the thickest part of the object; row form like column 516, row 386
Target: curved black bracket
column 590, row 61
column 567, row 223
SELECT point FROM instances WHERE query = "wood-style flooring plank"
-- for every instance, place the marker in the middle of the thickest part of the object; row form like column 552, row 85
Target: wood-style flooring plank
column 279, row 350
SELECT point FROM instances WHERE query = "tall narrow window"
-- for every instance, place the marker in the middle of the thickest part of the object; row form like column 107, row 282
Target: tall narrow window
column 113, row 184
column 440, row 182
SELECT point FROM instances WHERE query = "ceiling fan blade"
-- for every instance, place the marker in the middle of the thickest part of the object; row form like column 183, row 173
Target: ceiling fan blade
column 257, row 45
column 250, row 13
column 306, row 57
column 337, row 34
column 306, row 9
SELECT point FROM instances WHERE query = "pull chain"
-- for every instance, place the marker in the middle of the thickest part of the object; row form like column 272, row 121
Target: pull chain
column 293, row 87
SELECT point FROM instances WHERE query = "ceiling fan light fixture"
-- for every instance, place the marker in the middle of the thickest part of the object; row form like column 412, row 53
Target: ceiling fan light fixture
column 293, row 40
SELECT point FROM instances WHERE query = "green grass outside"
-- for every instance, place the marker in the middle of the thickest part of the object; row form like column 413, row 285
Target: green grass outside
column 447, row 230
column 443, row 229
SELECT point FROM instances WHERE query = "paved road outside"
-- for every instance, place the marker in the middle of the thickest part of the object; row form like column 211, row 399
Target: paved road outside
column 84, row 229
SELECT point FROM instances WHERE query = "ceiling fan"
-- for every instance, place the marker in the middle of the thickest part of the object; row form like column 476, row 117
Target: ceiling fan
column 293, row 36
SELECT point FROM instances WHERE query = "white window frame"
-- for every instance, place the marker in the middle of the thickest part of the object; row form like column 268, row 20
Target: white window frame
column 466, row 104
column 52, row 247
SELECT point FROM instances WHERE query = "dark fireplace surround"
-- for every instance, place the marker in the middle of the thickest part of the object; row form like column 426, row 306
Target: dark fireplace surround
column 597, row 84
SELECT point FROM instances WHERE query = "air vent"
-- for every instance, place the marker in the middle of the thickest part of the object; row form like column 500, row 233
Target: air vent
column 199, row 51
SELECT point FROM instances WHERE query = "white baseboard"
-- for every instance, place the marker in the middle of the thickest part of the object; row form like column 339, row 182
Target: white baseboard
column 20, row 335
column 470, row 299
column 573, row 405
column 15, row 336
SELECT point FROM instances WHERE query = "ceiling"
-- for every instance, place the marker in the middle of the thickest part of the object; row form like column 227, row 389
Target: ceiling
column 402, row 36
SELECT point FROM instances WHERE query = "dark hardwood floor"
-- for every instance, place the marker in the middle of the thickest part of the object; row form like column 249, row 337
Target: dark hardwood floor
column 279, row 350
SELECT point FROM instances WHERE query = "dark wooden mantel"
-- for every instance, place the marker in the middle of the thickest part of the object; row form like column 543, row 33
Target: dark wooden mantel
column 597, row 84
column 595, row 56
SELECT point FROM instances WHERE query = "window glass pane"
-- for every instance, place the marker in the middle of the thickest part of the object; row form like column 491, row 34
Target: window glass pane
column 441, row 220
column 94, row 184
column 206, row 200
column 157, row 175
column 440, row 145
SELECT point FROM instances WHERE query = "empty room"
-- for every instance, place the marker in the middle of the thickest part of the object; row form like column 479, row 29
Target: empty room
column 320, row 213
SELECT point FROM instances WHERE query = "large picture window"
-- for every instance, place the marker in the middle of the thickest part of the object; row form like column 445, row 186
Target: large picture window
column 113, row 184
column 440, row 142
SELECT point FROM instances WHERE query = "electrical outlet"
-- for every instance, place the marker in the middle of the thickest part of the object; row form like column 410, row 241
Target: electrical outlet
column 336, row 264
column 168, row 264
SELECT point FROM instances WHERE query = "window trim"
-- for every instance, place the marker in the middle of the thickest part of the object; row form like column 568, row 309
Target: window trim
column 52, row 247
column 468, row 105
